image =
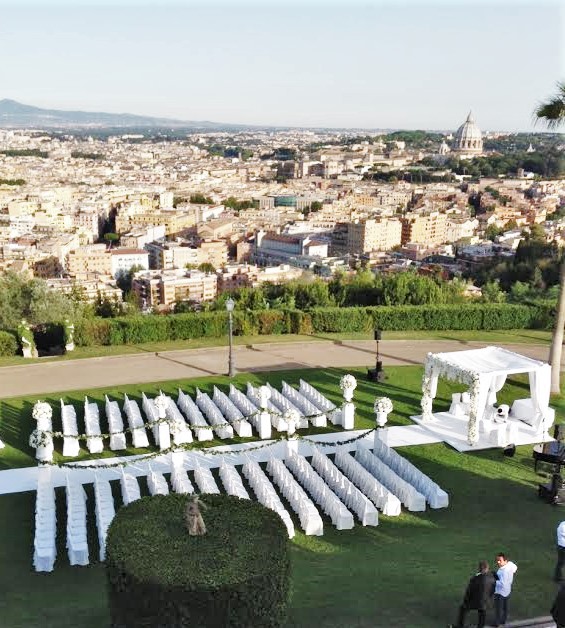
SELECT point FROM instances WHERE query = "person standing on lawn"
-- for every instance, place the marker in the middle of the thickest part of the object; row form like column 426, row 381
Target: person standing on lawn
column 504, row 578
column 477, row 596
column 558, row 573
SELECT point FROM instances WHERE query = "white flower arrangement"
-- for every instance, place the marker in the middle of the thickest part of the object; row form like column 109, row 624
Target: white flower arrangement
column 383, row 404
column 41, row 410
column 436, row 367
column 39, row 438
column 348, row 382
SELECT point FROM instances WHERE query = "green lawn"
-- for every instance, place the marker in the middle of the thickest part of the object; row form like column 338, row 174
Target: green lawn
column 518, row 336
column 410, row 571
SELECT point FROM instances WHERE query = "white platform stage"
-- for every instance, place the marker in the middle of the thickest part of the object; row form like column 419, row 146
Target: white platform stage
column 453, row 430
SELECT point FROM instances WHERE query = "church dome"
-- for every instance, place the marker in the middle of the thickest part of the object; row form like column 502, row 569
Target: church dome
column 468, row 139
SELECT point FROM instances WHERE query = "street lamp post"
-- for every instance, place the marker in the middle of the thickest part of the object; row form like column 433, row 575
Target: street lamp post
column 230, row 304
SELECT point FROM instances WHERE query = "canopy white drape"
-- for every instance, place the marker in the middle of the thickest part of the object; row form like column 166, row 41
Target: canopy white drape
column 484, row 371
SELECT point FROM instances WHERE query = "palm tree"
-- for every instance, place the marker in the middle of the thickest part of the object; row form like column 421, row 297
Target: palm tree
column 552, row 113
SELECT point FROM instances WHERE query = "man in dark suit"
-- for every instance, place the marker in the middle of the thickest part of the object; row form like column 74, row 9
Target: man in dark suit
column 477, row 596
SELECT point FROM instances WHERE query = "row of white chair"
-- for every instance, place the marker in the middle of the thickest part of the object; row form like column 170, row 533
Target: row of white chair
column 44, row 548
column 77, row 544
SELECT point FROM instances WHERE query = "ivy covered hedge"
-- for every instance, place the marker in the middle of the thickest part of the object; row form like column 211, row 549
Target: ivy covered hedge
column 236, row 575
column 472, row 316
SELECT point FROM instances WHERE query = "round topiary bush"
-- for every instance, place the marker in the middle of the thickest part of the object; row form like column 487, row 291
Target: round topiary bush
column 236, row 575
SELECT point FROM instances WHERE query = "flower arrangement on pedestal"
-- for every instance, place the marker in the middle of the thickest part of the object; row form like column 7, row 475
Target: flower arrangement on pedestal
column 348, row 384
column 39, row 438
column 41, row 410
column 382, row 408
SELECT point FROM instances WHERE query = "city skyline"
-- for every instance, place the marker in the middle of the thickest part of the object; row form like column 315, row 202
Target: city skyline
column 370, row 65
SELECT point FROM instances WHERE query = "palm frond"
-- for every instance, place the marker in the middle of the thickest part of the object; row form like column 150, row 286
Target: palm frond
column 552, row 111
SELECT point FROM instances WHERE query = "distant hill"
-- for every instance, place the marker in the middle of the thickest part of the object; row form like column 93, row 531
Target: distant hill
column 17, row 115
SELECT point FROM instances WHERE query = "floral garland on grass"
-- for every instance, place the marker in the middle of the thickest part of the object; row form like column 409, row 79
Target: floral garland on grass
column 438, row 367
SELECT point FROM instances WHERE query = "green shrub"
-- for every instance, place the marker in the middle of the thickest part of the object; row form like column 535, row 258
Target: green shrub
column 8, row 343
column 236, row 575
column 92, row 331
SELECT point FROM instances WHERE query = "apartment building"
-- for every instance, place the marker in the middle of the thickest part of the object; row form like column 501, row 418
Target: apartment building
column 173, row 221
column 428, row 229
column 373, row 235
column 123, row 260
column 160, row 289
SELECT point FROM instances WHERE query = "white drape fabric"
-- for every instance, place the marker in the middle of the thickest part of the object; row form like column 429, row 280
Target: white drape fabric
column 213, row 415
column 195, row 417
column 115, row 424
column 344, row 488
column 383, row 499
column 232, row 481
column 135, row 422
column 130, row 487
column 44, row 548
column 435, row 496
column 266, row 494
column 205, row 480
column 310, row 520
column 105, row 511
column 92, row 426
column 179, row 478
column 231, row 412
column 71, row 446
column 320, row 492
column 77, row 544
column 540, row 387
column 405, row 492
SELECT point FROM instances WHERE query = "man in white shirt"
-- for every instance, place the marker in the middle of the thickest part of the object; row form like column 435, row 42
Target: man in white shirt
column 558, row 575
column 503, row 588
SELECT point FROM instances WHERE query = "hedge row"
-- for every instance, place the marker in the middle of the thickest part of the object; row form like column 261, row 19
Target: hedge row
column 237, row 575
column 141, row 329
column 8, row 343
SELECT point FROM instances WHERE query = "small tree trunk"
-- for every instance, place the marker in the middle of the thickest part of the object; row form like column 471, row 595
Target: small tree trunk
column 557, row 338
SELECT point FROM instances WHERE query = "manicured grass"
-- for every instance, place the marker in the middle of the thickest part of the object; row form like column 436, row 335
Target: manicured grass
column 519, row 336
column 410, row 571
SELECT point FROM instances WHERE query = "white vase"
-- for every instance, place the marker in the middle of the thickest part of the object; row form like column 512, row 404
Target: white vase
column 382, row 418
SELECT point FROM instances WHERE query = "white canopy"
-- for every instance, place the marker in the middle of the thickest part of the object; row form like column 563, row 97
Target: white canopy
column 485, row 371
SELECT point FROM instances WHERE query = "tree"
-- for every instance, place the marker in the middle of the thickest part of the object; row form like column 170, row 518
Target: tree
column 207, row 267
column 552, row 113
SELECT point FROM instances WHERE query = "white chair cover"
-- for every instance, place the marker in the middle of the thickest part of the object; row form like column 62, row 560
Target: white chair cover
column 266, row 493
column 320, row 492
column 130, row 487
column 179, row 429
column 77, row 544
column 105, row 511
column 349, row 494
column 135, row 422
column 116, row 425
column 192, row 412
column 383, row 499
column 92, row 424
column 157, row 484
column 71, row 447
column 261, row 421
column 435, row 496
column 317, row 418
column 310, row 519
column 407, row 494
column 205, row 480
column 213, row 415
column 231, row 412
column 44, row 548
column 277, row 420
column 232, row 481
column 282, row 403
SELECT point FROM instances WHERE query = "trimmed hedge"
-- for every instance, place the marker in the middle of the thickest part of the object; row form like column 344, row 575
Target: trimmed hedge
column 237, row 575
column 472, row 316
column 8, row 344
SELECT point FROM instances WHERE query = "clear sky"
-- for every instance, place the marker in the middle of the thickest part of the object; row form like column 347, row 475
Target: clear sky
column 372, row 64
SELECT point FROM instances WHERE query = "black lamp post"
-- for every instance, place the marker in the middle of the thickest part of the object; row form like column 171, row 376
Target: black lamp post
column 377, row 374
column 230, row 304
